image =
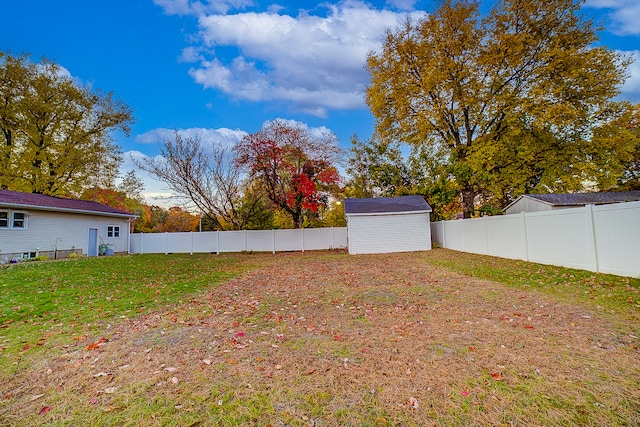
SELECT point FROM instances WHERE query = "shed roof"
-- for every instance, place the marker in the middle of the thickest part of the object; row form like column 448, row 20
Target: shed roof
column 16, row 199
column 390, row 205
column 581, row 199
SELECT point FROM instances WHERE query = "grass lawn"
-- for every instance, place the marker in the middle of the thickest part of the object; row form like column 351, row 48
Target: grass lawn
column 316, row 339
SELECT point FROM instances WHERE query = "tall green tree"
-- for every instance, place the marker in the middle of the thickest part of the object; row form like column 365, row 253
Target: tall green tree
column 56, row 135
column 519, row 91
column 630, row 178
column 386, row 168
column 377, row 168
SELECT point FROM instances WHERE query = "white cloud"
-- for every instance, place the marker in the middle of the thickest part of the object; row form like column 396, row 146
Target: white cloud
column 315, row 63
column 624, row 15
column 223, row 136
column 191, row 7
column 317, row 131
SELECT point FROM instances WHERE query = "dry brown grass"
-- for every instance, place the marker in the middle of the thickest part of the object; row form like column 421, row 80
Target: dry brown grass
column 328, row 340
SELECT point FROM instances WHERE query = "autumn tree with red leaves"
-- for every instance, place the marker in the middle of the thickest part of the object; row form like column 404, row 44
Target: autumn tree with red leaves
column 294, row 167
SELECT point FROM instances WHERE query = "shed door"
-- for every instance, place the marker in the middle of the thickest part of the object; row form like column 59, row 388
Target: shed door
column 92, row 249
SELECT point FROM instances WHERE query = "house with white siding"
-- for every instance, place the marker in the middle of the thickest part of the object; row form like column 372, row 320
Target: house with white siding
column 388, row 224
column 32, row 225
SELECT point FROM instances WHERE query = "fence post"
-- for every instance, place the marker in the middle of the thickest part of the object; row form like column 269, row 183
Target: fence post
column 273, row 234
column 525, row 241
column 594, row 242
column 191, row 253
column 218, row 242
column 166, row 243
column 486, row 234
column 302, row 239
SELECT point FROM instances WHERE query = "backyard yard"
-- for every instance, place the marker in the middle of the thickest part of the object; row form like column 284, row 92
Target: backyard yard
column 316, row 339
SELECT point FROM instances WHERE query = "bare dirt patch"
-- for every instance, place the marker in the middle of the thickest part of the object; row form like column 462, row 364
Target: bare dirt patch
column 327, row 340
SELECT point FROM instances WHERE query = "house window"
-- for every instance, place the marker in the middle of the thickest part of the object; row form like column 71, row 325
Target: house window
column 18, row 220
column 11, row 219
column 113, row 231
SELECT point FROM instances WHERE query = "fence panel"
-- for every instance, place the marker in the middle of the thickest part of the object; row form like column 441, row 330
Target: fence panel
column 232, row 241
column 289, row 240
column 507, row 238
column 238, row 241
column 561, row 237
column 206, row 242
column 474, row 236
column 597, row 238
column 179, row 242
column 339, row 237
column 618, row 238
column 260, row 240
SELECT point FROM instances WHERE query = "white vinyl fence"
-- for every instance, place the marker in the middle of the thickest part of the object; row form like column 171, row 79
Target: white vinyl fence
column 304, row 239
column 603, row 238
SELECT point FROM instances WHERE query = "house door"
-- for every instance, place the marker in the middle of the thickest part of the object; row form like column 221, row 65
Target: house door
column 92, row 249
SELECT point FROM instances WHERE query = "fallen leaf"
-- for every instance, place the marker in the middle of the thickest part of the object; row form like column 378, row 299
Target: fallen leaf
column 35, row 397
column 110, row 390
column 464, row 393
column 44, row 410
column 310, row 371
column 206, row 361
column 528, row 327
column 278, row 367
column 100, row 374
column 496, row 376
column 413, row 402
column 100, row 342
column 170, row 369
column 175, row 380
column 240, row 334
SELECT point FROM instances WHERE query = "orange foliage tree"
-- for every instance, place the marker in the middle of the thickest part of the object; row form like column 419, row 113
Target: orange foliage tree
column 294, row 167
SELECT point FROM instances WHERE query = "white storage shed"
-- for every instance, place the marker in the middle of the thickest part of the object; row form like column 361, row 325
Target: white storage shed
column 388, row 224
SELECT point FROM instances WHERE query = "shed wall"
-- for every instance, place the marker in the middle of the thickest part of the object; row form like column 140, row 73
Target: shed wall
column 44, row 228
column 385, row 233
column 526, row 204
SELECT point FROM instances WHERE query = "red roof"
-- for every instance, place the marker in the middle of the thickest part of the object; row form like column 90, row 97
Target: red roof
column 18, row 199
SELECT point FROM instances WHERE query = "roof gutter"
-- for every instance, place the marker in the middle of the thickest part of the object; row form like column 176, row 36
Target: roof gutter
column 386, row 213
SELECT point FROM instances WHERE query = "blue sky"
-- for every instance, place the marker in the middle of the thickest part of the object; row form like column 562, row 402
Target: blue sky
column 221, row 68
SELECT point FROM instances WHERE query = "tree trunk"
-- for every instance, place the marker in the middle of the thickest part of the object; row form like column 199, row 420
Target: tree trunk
column 468, row 196
column 297, row 219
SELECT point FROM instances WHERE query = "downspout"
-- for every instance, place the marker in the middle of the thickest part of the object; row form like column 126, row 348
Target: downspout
column 131, row 221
